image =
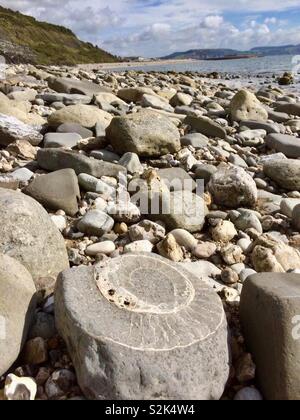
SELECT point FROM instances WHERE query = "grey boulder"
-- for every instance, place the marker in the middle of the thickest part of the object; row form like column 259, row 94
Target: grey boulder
column 270, row 318
column 146, row 329
column 68, row 140
column 29, row 235
column 286, row 173
column 17, row 305
column 288, row 145
column 11, row 130
column 56, row 191
column 146, row 133
column 55, row 159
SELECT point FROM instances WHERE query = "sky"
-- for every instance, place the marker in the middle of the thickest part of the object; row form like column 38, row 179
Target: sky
column 154, row 28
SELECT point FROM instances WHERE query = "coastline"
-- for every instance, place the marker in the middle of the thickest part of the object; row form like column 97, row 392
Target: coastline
column 108, row 66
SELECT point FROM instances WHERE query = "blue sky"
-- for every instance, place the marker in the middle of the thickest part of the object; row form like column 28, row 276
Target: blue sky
column 158, row 27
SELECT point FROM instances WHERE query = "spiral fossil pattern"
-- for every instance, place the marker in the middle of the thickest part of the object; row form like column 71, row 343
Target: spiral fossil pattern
column 159, row 305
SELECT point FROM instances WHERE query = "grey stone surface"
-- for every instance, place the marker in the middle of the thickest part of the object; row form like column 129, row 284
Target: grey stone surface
column 146, row 133
column 95, row 222
column 177, row 179
column 286, row 173
column 55, row 159
column 289, row 145
column 29, row 235
column 270, row 128
column 231, row 186
column 58, row 190
column 197, row 140
column 206, row 126
column 146, row 329
column 270, row 305
column 68, row 85
column 296, row 217
column 11, row 130
column 289, row 108
column 17, row 305
column 69, row 140
column 75, row 128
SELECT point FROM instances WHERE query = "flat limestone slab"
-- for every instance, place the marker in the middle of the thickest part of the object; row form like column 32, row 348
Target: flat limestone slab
column 141, row 327
column 270, row 315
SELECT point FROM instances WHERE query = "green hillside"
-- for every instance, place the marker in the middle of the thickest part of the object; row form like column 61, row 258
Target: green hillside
column 24, row 39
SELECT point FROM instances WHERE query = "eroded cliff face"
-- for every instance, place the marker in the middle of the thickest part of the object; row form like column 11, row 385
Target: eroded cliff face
column 15, row 54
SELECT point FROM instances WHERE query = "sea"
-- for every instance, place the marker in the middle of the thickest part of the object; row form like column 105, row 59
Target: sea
column 258, row 70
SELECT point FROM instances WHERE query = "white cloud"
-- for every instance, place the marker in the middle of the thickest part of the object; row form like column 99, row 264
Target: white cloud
column 153, row 28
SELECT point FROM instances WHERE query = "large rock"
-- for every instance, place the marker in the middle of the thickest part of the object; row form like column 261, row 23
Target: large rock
column 289, row 145
column 146, row 329
column 272, row 255
column 286, row 173
column 134, row 94
column 67, row 140
column 82, row 87
column 177, row 179
column 86, row 115
column 11, row 130
column 245, row 106
column 29, row 235
column 289, row 108
column 156, row 102
column 232, row 187
column 17, row 305
column 186, row 211
column 269, row 310
column 145, row 133
column 55, row 159
column 206, row 126
column 56, row 191
column 296, row 217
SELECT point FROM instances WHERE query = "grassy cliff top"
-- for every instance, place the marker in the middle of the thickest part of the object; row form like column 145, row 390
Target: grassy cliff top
column 49, row 44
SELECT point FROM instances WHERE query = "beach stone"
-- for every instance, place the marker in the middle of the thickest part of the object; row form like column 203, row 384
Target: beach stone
column 35, row 352
column 17, row 306
column 287, row 206
column 286, row 173
column 95, row 222
column 93, row 184
column 58, row 190
column 124, row 298
column 85, row 115
column 105, row 155
column 105, row 247
column 205, row 172
column 22, row 174
column 231, row 186
column 156, row 102
column 296, row 217
column 269, row 313
column 288, row 108
column 186, row 211
column 270, row 128
column 68, row 140
column 138, row 246
column 245, row 106
column 43, row 326
column 204, row 250
column 224, row 231
column 196, row 140
column 29, row 235
column 71, row 85
column 181, row 99
column 147, row 230
column 272, row 255
column 289, row 145
column 184, row 238
column 134, row 94
column 177, row 179
column 145, row 133
column 11, row 130
column 84, row 133
column 247, row 220
column 131, row 162
column 170, row 249
column 124, row 211
column 56, row 159
column 206, row 126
